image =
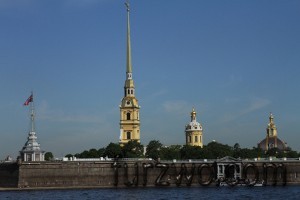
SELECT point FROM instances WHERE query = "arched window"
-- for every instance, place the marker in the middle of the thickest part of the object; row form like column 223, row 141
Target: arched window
column 128, row 116
column 128, row 135
column 196, row 138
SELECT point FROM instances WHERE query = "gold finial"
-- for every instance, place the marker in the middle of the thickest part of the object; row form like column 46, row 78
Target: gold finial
column 193, row 114
column 193, row 111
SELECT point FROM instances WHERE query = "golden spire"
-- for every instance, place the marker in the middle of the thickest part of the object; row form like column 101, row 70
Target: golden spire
column 271, row 118
column 128, row 57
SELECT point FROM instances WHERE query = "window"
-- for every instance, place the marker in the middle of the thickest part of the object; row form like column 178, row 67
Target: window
column 29, row 157
column 196, row 138
column 37, row 157
column 128, row 135
column 221, row 169
column 190, row 139
column 128, row 116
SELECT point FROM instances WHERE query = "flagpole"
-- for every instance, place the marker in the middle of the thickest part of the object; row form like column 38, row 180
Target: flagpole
column 32, row 114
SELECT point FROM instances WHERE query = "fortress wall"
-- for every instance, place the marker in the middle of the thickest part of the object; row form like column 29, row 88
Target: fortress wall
column 105, row 174
column 292, row 170
column 140, row 173
column 65, row 174
column 9, row 174
column 293, row 173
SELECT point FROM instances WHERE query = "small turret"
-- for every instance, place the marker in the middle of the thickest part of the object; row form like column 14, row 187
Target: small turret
column 193, row 131
column 31, row 150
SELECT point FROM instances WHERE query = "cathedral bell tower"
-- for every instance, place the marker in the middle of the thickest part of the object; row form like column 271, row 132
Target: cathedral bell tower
column 193, row 131
column 129, row 108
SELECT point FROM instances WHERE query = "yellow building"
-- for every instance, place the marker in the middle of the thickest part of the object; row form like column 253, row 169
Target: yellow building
column 129, row 108
column 193, row 131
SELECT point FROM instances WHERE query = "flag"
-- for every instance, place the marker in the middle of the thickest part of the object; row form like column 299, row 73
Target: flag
column 30, row 99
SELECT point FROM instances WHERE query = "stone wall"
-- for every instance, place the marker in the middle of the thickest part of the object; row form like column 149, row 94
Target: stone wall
column 139, row 173
column 9, row 175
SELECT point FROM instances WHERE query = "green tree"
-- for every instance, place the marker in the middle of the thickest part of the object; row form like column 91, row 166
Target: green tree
column 219, row 150
column 292, row 154
column 101, row 152
column 133, row 149
column 170, row 152
column 49, row 156
column 237, row 151
column 273, row 152
column 191, row 152
column 153, row 149
column 207, row 154
column 69, row 155
column 257, row 153
column 84, row 154
column 93, row 153
column 113, row 150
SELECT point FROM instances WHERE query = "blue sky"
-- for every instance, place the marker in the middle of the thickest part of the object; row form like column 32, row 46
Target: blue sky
column 234, row 61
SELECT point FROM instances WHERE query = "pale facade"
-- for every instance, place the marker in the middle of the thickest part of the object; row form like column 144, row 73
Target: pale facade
column 194, row 131
column 129, row 108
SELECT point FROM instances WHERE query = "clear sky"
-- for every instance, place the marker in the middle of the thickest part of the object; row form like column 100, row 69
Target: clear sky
column 234, row 61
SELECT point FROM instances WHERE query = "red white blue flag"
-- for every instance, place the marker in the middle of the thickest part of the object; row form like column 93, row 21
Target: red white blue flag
column 30, row 99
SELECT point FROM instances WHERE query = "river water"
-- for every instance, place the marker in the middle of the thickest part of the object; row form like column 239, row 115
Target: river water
column 271, row 193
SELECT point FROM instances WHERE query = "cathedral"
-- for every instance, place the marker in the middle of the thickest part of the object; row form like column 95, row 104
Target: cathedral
column 129, row 108
column 271, row 140
column 193, row 131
